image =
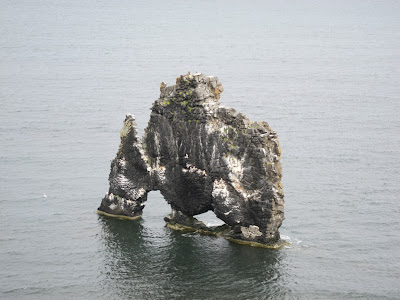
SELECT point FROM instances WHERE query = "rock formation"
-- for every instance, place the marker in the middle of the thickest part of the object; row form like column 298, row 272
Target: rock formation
column 201, row 156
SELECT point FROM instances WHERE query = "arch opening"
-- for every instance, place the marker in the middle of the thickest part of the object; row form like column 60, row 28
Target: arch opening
column 209, row 219
column 156, row 206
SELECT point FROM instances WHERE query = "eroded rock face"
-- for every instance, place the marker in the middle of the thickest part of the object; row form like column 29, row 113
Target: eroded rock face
column 201, row 156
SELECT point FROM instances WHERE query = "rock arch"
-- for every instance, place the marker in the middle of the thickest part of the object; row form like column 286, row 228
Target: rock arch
column 201, row 156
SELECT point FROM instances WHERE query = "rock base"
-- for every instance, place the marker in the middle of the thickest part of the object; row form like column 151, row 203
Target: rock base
column 225, row 231
column 122, row 217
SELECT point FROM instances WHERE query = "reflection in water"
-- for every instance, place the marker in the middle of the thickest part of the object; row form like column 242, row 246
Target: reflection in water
column 157, row 263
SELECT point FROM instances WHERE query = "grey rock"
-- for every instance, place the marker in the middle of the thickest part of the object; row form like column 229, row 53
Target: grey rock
column 201, row 156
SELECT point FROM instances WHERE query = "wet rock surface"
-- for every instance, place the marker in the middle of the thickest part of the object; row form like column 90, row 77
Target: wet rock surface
column 201, row 156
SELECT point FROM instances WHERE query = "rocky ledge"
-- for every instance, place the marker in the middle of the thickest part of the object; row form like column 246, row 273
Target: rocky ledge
column 201, row 156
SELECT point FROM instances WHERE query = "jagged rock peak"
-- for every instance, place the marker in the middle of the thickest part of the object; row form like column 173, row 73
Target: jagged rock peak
column 201, row 156
column 196, row 87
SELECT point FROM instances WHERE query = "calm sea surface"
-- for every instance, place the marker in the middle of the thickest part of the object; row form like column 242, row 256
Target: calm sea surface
column 324, row 74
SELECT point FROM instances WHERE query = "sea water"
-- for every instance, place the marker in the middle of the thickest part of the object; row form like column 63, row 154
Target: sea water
column 324, row 74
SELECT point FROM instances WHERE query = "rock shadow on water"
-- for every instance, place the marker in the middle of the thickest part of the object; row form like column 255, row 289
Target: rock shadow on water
column 127, row 271
column 139, row 264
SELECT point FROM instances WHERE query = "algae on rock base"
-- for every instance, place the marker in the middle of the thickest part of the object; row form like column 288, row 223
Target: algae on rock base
column 201, row 156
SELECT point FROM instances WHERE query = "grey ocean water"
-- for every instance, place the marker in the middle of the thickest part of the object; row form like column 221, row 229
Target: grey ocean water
column 324, row 74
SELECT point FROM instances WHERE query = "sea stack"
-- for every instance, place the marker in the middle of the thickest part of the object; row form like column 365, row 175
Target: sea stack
column 201, row 156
